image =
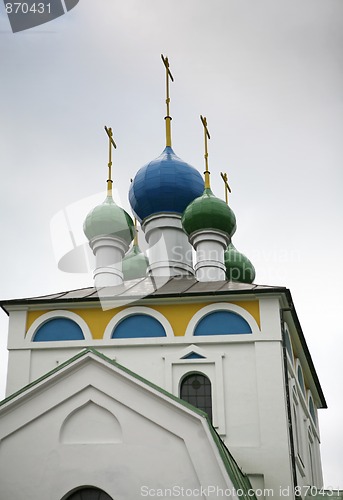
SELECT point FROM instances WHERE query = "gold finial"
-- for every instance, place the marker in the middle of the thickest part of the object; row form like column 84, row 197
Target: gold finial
column 206, row 136
column 110, row 144
column 227, row 187
column 167, row 118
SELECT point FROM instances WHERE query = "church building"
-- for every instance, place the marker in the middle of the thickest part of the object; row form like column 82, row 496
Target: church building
column 174, row 375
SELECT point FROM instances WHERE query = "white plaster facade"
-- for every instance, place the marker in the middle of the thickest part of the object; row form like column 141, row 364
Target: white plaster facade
column 247, row 373
column 91, row 423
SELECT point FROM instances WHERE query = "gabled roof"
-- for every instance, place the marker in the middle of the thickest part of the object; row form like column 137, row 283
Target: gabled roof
column 239, row 479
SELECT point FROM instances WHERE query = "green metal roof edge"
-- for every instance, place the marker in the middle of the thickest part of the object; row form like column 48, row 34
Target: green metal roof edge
column 45, row 376
column 108, row 360
column 147, row 382
column 239, row 479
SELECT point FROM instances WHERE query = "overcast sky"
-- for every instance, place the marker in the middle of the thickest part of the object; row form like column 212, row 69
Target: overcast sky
column 268, row 76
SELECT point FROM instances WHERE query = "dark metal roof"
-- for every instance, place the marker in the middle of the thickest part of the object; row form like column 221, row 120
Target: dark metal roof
column 158, row 287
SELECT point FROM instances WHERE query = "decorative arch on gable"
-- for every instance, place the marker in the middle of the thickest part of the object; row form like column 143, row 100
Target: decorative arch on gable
column 79, row 426
column 138, row 322
column 222, row 319
column 56, row 326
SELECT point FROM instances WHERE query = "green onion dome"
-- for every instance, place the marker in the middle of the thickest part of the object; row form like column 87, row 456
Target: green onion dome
column 238, row 266
column 208, row 212
column 135, row 264
column 108, row 219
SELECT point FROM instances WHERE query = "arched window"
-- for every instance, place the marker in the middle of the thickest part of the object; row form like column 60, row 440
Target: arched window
column 297, row 432
column 312, row 410
column 301, row 379
column 289, row 345
column 58, row 329
column 312, row 458
column 196, row 389
column 222, row 323
column 88, row 494
column 138, row 326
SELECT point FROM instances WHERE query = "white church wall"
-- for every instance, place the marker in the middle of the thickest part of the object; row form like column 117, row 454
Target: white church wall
column 149, row 432
column 269, row 454
column 18, row 370
column 246, row 373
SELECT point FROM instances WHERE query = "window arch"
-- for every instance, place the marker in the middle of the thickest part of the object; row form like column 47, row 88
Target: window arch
column 46, row 333
column 311, row 409
column 196, row 389
column 288, row 343
column 240, row 320
column 138, row 326
column 222, row 323
column 300, row 377
column 88, row 493
column 57, row 329
column 160, row 327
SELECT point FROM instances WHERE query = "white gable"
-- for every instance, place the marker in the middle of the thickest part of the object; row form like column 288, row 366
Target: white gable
column 92, row 423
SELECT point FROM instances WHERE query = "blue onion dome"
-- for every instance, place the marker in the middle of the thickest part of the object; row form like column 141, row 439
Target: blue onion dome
column 165, row 185
column 208, row 212
column 135, row 264
column 238, row 266
column 108, row 219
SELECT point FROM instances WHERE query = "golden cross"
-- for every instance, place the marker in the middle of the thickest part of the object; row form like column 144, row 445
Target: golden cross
column 227, row 187
column 110, row 144
column 206, row 136
column 167, row 118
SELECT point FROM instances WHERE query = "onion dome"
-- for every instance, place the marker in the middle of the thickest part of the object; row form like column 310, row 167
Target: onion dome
column 135, row 264
column 108, row 219
column 238, row 266
column 165, row 185
column 208, row 212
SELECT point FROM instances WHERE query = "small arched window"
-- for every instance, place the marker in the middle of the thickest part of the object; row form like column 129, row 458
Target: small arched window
column 88, row 494
column 58, row 329
column 138, row 326
column 301, row 379
column 196, row 390
column 289, row 345
column 312, row 410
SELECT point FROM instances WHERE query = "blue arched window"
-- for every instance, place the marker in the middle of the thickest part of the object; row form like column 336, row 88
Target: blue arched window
column 222, row 323
column 58, row 329
column 301, row 379
column 138, row 326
